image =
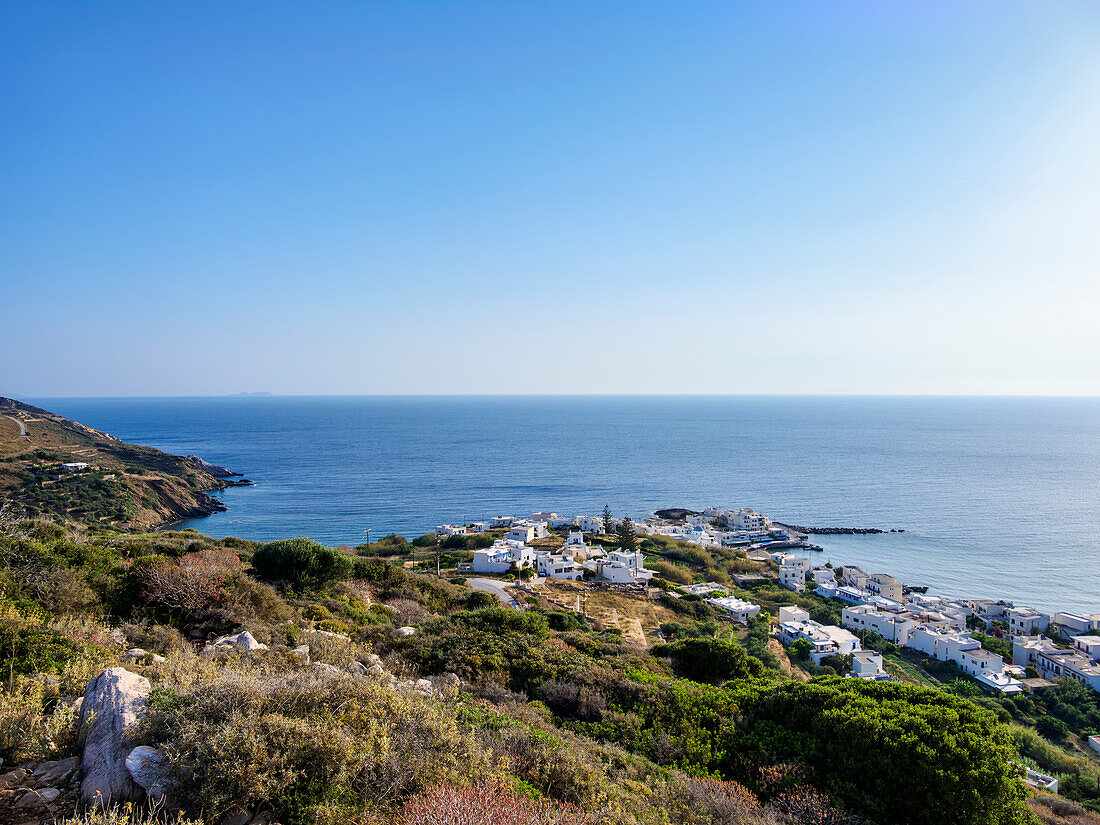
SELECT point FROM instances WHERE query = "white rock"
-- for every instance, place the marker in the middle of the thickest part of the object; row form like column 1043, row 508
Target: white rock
column 406, row 631
column 136, row 653
column 158, row 659
column 112, row 703
column 377, row 670
column 325, row 668
column 302, row 654
column 357, row 669
column 373, row 659
column 424, row 685
column 148, row 768
column 241, row 641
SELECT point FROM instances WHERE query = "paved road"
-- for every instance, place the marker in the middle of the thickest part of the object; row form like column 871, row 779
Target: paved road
column 22, row 429
column 494, row 587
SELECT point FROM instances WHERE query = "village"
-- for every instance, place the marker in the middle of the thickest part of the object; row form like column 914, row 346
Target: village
column 1045, row 647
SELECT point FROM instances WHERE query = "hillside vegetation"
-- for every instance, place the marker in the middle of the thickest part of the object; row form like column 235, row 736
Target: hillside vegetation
column 532, row 716
column 126, row 486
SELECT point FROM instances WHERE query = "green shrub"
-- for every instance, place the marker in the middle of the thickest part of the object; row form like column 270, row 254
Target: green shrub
column 710, row 660
column 301, row 564
column 896, row 753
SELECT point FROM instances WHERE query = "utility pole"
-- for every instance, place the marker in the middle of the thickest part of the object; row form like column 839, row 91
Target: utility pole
column 438, row 552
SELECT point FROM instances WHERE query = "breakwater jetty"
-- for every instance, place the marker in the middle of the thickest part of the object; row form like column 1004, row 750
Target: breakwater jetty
column 837, row 531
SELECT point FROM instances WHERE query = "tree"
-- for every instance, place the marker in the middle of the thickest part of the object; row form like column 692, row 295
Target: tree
column 608, row 525
column 301, row 563
column 799, row 649
column 628, row 539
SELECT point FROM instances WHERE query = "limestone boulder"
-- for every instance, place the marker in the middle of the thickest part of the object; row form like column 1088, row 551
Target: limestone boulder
column 112, row 703
column 148, row 768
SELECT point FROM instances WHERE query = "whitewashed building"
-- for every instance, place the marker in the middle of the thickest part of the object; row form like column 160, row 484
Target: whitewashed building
column 966, row 652
column 893, row 627
column 826, row 640
column 623, row 568
column 738, row 609
column 867, row 664
column 1054, row 662
column 501, row 556
column 1026, row 621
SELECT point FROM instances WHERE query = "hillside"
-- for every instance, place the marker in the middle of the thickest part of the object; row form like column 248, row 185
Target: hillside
column 297, row 684
column 126, row 486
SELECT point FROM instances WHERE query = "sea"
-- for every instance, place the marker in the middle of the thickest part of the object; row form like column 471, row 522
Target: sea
column 997, row 497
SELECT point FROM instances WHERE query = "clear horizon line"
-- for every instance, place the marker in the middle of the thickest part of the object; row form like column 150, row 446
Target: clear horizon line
column 262, row 396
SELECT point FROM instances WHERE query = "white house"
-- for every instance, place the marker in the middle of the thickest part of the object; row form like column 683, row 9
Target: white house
column 543, row 517
column 558, row 566
column 893, row 627
column 1026, row 621
column 623, row 568
column 881, row 584
column 965, row 651
column 853, row 576
column 1040, row 780
column 528, row 532
column 736, row 538
column 1054, row 662
column 748, row 519
column 1074, row 623
column 826, row 640
column 737, row 608
column 480, row 527
column 501, row 556
column 74, row 467
column 558, row 522
column 792, row 573
column 498, row 522
column 594, row 524
column 450, row 530
column 852, row 595
column 790, row 613
column 1087, row 646
column 867, row 664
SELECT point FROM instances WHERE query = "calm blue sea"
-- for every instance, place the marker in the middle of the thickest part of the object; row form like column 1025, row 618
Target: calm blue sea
column 999, row 497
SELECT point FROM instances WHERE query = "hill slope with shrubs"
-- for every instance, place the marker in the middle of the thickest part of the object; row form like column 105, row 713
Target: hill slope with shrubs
column 376, row 694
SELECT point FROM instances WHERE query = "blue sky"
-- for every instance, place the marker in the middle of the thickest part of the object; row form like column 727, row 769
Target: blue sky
column 848, row 197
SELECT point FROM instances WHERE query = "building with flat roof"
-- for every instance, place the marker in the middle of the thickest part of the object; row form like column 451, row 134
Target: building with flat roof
column 738, row 609
column 1055, row 662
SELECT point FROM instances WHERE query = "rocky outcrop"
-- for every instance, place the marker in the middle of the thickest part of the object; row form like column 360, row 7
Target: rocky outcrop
column 243, row 641
column 215, row 470
column 111, row 704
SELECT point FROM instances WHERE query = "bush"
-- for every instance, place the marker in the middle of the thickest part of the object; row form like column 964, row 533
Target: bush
column 1052, row 728
column 478, row 600
column 301, row 564
column 895, row 753
column 27, row 731
column 486, row 805
column 710, row 660
column 303, row 742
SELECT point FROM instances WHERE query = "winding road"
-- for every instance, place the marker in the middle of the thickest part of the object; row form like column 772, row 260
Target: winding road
column 22, row 428
column 494, row 587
